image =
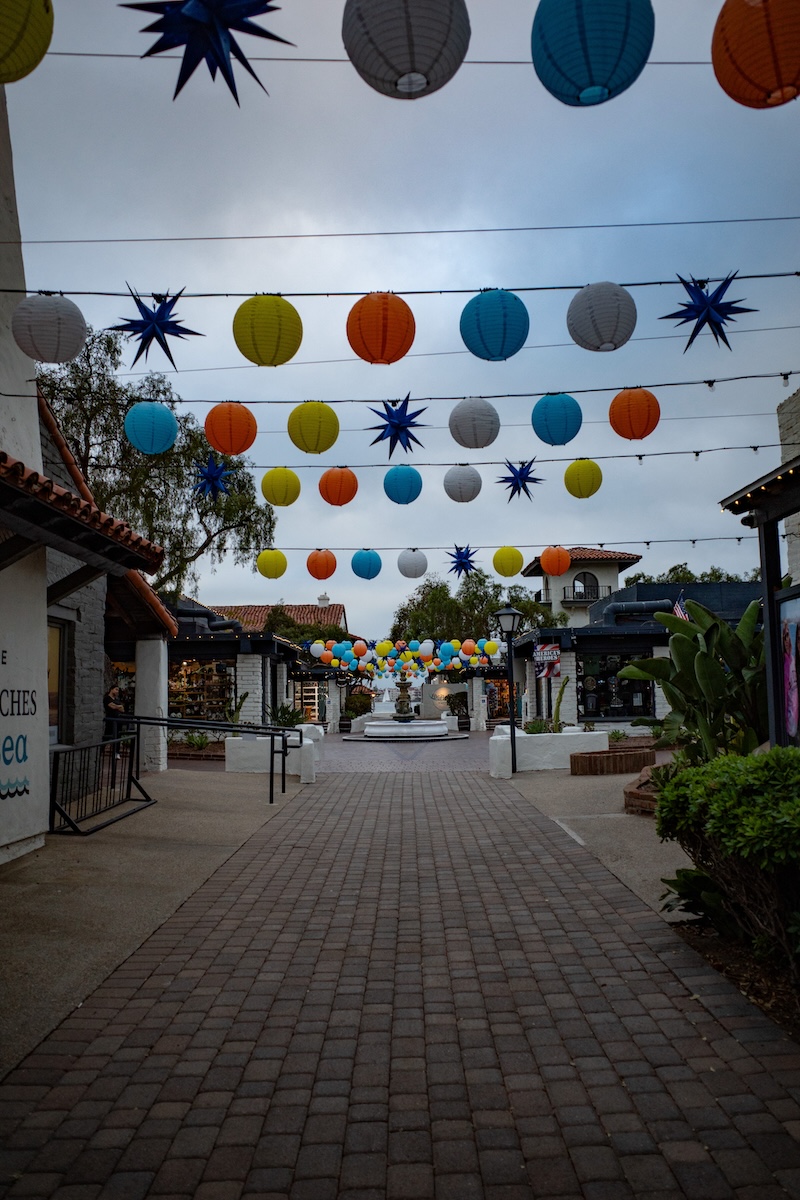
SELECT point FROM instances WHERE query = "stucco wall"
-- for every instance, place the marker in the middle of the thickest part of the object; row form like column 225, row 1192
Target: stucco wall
column 789, row 430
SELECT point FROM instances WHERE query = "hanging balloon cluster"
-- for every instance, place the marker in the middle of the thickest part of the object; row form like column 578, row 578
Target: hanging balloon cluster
column 422, row 659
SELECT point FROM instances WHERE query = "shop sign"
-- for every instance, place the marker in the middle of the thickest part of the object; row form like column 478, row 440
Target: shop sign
column 547, row 658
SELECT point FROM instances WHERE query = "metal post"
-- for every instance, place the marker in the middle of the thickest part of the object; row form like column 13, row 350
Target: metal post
column 512, row 715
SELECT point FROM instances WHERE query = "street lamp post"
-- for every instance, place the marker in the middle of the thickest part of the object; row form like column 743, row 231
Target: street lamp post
column 508, row 619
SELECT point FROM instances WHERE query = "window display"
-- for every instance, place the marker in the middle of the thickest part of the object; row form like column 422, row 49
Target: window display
column 601, row 693
column 201, row 690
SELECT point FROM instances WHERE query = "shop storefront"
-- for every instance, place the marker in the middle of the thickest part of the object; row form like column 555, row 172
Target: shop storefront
column 202, row 689
column 602, row 694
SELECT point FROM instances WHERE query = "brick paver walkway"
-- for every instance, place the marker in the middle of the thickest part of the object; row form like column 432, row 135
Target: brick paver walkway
column 409, row 986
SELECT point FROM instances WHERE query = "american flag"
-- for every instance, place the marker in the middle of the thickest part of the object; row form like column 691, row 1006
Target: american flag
column 679, row 608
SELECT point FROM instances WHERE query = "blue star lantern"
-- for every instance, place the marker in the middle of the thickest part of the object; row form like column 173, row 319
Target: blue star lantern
column 210, row 478
column 705, row 309
column 397, row 425
column 463, row 560
column 155, row 325
column 519, row 478
column 205, row 28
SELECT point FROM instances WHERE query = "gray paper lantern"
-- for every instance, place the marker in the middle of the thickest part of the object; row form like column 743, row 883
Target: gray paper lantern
column 601, row 317
column 412, row 563
column 462, row 484
column 474, row 423
column 406, row 48
column 49, row 329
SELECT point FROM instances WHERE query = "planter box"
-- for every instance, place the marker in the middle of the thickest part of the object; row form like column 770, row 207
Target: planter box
column 539, row 751
column 611, row 762
column 639, row 795
column 252, row 754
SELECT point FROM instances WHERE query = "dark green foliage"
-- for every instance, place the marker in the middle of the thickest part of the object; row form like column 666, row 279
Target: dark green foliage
column 432, row 610
column 281, row 624
column 695, row 892
column 681, row 573
column 457, row 704
column 358, row 705
column 738, row 819
column 153, row 493
column 537, row 725
column 714, row 681
column 617, row 735
column 285, row 716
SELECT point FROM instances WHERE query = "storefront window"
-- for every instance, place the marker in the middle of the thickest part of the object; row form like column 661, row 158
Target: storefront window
column 202, row 690
column 601, row 693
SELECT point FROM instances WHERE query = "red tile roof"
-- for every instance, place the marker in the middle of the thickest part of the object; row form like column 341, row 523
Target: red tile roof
column 254, row 617
column 583, row 554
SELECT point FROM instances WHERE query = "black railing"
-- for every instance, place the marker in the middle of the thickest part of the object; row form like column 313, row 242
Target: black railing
column 97, row 778
column 586, row 595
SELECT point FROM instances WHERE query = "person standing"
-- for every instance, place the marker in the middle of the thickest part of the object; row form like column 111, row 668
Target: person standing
column 112, row 707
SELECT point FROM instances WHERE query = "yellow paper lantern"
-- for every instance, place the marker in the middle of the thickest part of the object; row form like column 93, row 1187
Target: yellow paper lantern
column 582, row 478
column 491, row 648
column 267, row 330
column 26, row 27
column 313, row 427
column 271, row 563
column 280, row 487
column 507, row 561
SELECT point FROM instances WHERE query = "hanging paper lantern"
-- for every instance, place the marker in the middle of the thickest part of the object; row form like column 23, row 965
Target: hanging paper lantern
column 555, row 560
column 402, row 484
column 474, row 423
column 412, row 563
column 317, row 649
column 338, row 486
column 583, row 478
column 462, row 483
column 48, row 329
column 313, row 427
column 491, row 648
column 271, row 563
column 151, row 427
column 588, row 51
column 280, row 487
column 321, row 563
column 634, row 413
column 507, row 561
column 267, row 330
column 380, row 327
column 407, row 49
column 366, row 564
column 755, row 51
column 494, row 325
column 602, row 316
column 556, row 419
column 26, row 27
column 230, row 428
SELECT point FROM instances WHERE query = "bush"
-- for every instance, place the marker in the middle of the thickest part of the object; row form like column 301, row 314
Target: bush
column 738, row 819
column 358, row 705
column 617, row 735
column 537, row 725
column 284, row 716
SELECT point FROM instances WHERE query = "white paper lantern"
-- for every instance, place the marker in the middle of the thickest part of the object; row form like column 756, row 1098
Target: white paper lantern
column 474, row 423
column 49, row 329
column 601, row 317
column 462, row 483
column 406, row 48
column 412, row 563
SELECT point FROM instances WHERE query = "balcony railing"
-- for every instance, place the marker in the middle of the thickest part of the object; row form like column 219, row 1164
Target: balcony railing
column 584, row 595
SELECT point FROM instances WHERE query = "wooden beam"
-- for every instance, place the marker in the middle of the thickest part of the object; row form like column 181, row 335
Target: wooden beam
column 62, row 588
column 15, row 548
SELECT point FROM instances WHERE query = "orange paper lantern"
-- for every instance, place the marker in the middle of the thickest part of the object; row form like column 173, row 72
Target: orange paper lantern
column 359, row 649
column 634, row 413
column 321, row 564
column 326, row 657
column 555, row 560
column 380, row 327
column 755, row 51
column 338, row 486
column 230, row 428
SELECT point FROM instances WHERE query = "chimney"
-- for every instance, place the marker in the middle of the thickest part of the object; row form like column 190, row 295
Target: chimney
column 324, row 600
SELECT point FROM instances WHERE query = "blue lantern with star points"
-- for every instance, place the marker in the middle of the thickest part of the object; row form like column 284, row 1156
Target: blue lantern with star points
column 707, row 309
column 205, row 28
column 155, row 325
column 463, row 560
column 211, row 478
column 519, row 479
column 397, row 425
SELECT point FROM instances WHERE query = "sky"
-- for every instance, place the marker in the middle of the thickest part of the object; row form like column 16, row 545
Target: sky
column 101, row 151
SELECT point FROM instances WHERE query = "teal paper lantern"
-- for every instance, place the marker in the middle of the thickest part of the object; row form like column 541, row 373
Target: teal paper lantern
column 556, row 419
column 151, row 427
column 588, row 51
column 402, row 484
column 366, row 564
column 494, row 325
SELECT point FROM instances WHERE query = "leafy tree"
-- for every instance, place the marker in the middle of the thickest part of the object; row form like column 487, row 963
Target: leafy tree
column 681, row 573
column 282, row 624
column 433, row 611
column 153, row 493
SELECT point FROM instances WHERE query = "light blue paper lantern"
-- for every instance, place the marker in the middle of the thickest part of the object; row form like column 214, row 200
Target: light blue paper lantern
column 556, row 419
column 402, row 484
column 494, row 325
column 588, row 51
column 151, row 427
column 366, row 564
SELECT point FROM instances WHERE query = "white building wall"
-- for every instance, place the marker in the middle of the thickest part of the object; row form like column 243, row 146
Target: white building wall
column 152, row 689
column 789, row 431
column 569, row 701
column 248, row 679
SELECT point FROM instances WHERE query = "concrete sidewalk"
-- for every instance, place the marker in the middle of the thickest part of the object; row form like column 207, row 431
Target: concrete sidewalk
column 408, row 985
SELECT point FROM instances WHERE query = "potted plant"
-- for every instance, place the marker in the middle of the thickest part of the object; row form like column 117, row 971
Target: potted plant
column 458, row 707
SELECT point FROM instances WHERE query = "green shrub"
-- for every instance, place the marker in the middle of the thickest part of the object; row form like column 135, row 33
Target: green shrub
column 284, row 716
column 197, row 739
column 738, row 819
column 457, row 704
column 358, row 705
column 617, row 735
column 537, row 725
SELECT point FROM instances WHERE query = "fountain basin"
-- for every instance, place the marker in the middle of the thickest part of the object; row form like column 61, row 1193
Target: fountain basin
column 405, row 730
